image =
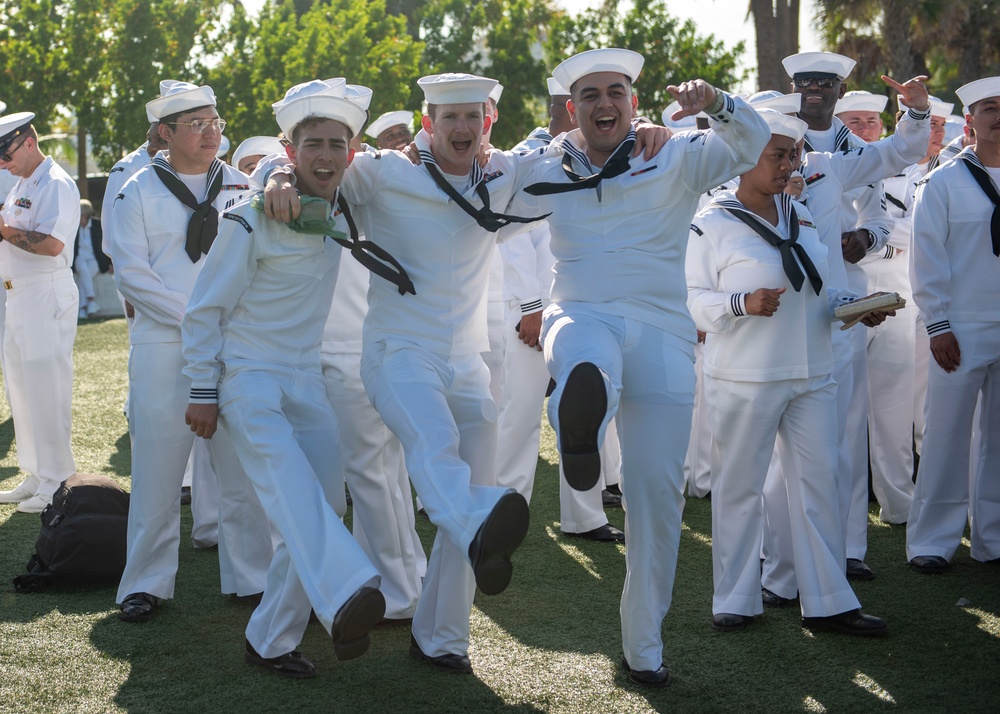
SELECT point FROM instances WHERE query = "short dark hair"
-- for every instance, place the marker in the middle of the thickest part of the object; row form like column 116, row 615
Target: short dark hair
column 171, row 119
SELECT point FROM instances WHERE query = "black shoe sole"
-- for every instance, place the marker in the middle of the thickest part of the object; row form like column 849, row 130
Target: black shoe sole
column 354, row 621
column 450, row 664
column 731, row 628
column 497, row 539
column 644, row 678
column 827, row 626
column 272, row 666
column 582, row 409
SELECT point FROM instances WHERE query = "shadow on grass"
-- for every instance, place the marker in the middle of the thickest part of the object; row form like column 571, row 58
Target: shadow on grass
column 6, row 436
column 120, row 460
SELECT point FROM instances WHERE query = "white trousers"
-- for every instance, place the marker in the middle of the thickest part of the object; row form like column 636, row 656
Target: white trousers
column 285, row 434
column 941, row 501
column 525, row 378
column 161, row 446
column 750, row 420
column 38, row 366
column 373, row 468
column 200, row 476
column 778, row 570
column 649, row 375
column 86, row 268
column 856, row 445
column 496, row 314
column 698, row 462
column 921, row 368
column 441, row 411
column 891, row 371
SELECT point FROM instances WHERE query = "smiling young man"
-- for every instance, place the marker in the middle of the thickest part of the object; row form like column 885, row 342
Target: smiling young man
column 861, row 112
column 252, row 338
column 618, row 338
column 955, row 272
column 38, row 225
column 163, row 223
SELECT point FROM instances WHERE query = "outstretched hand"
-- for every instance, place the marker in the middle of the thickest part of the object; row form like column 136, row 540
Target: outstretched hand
column 694, row 96
column 913, row 92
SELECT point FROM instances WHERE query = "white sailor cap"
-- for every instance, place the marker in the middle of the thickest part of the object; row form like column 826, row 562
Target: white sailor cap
column 980, row 89
column 224, row 145
column 3, row 107
column 456, row 88
column 319, row 98
column 819, row 63
column 938, row 108
column 689, row 122
column 771, row 99
column 178, row 97
column 360, row 95
column 13, row 126
column 783, row 124
column 496, row 92
column 609, row 59
column 556, row 89
column 861, row 101
column 389, row 120
column 257, row 146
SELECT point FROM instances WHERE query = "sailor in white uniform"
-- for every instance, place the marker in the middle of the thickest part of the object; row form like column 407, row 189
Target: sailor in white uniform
column 163, row 223
column 955, row 273
column 252, row 338
column 252, row 150
column 755, row 269
column 893, row 381
column 618, row 337
column 837, row 177
column 392, row 131
column 38, row 224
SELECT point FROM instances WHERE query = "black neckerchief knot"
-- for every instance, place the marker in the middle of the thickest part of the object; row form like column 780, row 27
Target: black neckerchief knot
column 203, row 226
column 616, row 165
column 982, row 177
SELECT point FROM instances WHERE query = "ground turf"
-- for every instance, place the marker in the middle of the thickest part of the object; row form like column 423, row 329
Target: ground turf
column 551, row 642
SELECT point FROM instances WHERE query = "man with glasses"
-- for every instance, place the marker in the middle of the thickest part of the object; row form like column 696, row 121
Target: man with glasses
column 163, row 222
column 38, row 225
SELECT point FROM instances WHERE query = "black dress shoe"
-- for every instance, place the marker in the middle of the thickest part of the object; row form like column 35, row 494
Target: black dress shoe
column 291, row 664
column 614, row 489
column 252, row 599
column 138, row 607
column 610, row 500
column 857, row 570
column 648, row 678
column 451, row 663
column 773, row 599
column 605, row 534
column 496, row 540
column 354, row 620
column 394, row 622
column 929, row 564
column 852, row 622
column 730, row 622
column 581, row 410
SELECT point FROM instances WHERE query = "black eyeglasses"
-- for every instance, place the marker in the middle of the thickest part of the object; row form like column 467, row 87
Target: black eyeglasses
column 9, row 154
column 821, row 82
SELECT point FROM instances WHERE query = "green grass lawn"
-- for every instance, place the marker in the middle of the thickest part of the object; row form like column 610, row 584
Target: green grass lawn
column 551, row 642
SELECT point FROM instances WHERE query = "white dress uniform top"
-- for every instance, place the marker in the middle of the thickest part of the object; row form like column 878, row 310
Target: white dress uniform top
column 619, row 302
column 41, row 314
column 155, row 274
column 768, row 378
column 956, row 285
column 828, row 176
column 238, row 338
column 383, row 520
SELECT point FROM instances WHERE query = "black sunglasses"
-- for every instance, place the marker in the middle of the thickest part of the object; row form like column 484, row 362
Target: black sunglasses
column 9, row 154
column 821, row 82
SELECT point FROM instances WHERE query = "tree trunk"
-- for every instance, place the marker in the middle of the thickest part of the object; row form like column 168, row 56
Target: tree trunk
column 897, row 18
column 81, row 161
column 776, row 27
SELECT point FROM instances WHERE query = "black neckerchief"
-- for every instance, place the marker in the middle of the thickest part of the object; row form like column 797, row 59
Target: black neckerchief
column 789, row 249
column 616, row 165
column 360, row 249
column 841, row 142
column 486, row 218
column 203, row 226
column 982, row 177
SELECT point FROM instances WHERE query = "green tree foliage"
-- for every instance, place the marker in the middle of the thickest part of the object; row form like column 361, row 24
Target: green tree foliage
column 674, row 51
